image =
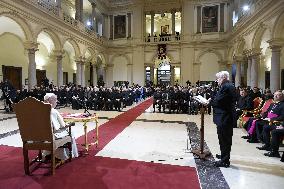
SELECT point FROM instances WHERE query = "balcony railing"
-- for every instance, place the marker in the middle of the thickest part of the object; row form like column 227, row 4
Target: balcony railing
column 52, row 9
column 163, row 39
column 70, row 20
column 48, row 6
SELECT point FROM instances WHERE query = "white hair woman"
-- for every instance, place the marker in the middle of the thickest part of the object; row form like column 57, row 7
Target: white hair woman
column 57, row 123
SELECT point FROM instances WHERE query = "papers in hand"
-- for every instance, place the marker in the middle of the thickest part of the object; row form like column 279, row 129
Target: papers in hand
column 266, row 119
column 201, row 100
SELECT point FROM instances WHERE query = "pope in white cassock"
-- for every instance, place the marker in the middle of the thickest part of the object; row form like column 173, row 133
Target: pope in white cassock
column 57, row 122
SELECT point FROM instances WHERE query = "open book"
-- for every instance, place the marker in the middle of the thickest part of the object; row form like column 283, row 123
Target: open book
column 201, row 100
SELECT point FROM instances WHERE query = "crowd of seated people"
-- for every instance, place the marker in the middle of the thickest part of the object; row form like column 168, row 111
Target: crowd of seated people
column 265, row 125
column 179, row 99
column 93, row 97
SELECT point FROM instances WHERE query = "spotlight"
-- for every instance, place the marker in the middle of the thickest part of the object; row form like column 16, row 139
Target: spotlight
column 88, row 23
column 245, row 7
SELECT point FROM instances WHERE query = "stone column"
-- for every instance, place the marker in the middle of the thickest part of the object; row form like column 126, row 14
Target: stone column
column 152, row 73
column 79, row 10
column 275, row 46
column 238, row 73
column 130, row 73
column 31, row 48
column 83, row 79
column 58, row 4
column 152, row 23
column 59, row 71
column 59, row 56
column 172, row 75
column 109, row 74
column 254, row 69
column 78, row 72
column 95, row 75
column 93, row 17
column 173, row 21
column 104, row 25
column 249, row 72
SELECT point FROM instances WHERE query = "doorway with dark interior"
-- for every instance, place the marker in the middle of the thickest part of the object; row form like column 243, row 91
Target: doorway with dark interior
column 14, row 75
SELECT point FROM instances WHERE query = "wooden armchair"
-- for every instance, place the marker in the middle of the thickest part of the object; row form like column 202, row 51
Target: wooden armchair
column 36, row 131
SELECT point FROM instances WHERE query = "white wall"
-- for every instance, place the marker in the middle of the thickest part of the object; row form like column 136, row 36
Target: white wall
column 12, row 53
column 120, row 69
column 209, row 67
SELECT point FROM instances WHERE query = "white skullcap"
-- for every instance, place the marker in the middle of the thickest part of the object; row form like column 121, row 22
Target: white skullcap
column 48, row 95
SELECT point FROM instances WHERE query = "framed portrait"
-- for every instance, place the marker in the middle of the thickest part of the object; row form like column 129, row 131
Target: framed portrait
column 210, row 19
column 165, row 30
column 119, row 26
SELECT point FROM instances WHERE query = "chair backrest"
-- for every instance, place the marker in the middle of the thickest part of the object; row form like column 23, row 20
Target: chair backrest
column 257, row 103
column 33, row 118
column 266, row 105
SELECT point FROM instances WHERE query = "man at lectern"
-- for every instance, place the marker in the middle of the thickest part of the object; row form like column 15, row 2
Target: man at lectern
column 224, row 116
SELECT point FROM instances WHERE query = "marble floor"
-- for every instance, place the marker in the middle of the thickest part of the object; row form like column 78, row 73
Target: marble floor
column 163, row 138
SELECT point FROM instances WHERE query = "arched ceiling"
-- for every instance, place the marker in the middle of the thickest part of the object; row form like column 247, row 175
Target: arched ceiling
column 11, row 26
column 45, row 39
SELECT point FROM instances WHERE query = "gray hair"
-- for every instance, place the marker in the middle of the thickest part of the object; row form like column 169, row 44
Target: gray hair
column 48, row 96
column 223, row 74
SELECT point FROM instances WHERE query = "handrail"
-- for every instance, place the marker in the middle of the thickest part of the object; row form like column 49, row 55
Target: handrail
column 166, row 38
column 53, row 9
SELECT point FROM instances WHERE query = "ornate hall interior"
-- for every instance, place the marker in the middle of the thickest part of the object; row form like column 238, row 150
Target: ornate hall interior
column 142, row 42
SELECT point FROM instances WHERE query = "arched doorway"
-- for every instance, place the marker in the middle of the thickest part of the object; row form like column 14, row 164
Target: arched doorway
column 163, row 71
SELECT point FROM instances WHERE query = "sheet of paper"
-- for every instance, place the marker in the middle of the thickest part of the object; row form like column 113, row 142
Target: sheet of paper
column 201, row 99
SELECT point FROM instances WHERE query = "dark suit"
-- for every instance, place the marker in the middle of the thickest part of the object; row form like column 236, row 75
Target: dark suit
column 224, row 117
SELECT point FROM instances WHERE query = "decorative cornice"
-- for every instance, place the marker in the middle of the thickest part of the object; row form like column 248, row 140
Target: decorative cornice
column 30, row 45
column 276, row 44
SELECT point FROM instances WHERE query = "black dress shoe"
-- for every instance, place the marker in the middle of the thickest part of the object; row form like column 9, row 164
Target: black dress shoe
column 272, row 154
column 252, row 141
column 222, row 164
column 245, row 137
column 218, row 156
column 263, row 148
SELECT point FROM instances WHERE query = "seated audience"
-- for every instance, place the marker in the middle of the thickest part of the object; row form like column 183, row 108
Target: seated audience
column 275, row 112
column 245, row 102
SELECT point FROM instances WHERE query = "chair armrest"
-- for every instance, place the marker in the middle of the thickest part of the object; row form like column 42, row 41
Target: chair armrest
column 68, row 126
column 274, row 122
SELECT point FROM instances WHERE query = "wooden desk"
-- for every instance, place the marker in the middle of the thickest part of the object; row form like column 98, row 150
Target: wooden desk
column 80, row 117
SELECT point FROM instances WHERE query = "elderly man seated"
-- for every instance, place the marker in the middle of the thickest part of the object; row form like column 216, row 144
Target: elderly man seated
column 245, row 102
column 58, row 123
column 273, row 136
column 275, row 112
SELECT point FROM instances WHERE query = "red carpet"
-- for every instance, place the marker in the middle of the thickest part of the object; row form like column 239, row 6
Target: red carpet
column 98, row 172
column 112, row 128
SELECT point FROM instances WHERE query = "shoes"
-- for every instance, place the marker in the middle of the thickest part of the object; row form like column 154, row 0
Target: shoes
column 218, row 156
column 252, row 141
column 263, row 148
column 272, row 154
column 222, row 164
column 245, row 137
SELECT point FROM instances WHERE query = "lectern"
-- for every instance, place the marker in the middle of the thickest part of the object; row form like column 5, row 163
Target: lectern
column 200, row 152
